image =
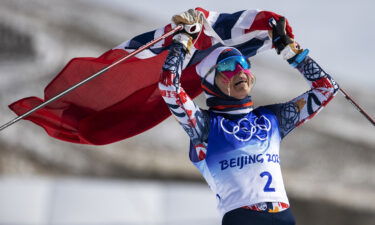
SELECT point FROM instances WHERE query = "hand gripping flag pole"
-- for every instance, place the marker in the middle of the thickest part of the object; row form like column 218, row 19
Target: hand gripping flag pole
column 177, row 28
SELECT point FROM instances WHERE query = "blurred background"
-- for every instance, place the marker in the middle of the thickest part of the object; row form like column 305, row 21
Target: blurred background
column 328, row 164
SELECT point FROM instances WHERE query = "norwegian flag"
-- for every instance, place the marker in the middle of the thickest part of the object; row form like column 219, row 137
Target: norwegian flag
column 126, row 101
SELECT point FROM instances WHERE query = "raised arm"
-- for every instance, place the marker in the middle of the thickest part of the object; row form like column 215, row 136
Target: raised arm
column 188, row 114
column 323, row 88
column 302, row 108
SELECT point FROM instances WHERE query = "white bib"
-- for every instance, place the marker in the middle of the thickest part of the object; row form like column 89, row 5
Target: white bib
column 242, row 164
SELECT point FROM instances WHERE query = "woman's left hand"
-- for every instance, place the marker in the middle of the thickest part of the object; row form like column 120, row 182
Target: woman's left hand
column 284, row 45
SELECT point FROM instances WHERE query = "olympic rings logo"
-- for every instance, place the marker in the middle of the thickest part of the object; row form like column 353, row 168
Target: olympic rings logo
column 248, row 129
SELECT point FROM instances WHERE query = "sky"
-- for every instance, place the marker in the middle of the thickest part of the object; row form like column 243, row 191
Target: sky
column 339, row 34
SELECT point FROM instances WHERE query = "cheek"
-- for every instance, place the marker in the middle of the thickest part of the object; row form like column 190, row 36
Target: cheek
column 248, row 73
column 222, row 84
column 222, row 79
column 251, row 76
column 225, row 80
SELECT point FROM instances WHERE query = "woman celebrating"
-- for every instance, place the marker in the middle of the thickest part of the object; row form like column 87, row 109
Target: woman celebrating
column 233, row 145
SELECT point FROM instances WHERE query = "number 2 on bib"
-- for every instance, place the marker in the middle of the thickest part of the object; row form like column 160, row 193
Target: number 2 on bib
column 267, row 187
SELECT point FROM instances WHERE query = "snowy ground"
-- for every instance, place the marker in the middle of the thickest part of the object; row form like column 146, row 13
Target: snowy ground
column 43, row 201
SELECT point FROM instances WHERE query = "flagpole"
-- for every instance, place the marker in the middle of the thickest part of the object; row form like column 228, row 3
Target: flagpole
column 174, row 30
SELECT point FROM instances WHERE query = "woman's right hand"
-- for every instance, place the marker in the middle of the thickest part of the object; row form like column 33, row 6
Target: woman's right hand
column 191, row 19
column 192, row 22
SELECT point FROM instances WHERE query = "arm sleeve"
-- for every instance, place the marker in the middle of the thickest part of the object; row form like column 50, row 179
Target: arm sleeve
column 188, row 114
column 302, row 108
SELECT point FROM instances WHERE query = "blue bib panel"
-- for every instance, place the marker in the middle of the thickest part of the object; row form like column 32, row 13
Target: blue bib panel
column 242, row 164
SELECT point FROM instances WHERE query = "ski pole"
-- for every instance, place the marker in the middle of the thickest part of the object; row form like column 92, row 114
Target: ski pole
column 368, row 117
column 272, row 22
column 174, row 30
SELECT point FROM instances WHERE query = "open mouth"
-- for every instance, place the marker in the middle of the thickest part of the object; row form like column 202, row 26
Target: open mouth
column 240, row 82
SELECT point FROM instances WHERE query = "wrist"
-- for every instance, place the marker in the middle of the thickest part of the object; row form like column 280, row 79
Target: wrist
column 291, row 50
column 297, row 59
column 287, row 53
column 184, row 39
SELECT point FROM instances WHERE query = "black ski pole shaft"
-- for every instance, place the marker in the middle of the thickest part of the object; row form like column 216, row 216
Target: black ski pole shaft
column 359, row 108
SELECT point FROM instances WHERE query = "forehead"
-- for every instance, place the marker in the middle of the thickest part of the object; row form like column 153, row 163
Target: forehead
column 226, row 53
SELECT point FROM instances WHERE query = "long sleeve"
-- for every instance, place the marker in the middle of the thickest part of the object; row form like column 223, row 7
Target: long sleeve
column 188, row 114
column 302, row 108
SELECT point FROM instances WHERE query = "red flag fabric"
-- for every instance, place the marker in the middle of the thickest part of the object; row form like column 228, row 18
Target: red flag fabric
column 125, row 101
column 114, row 106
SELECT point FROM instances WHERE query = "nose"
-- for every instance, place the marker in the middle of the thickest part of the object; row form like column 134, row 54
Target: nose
column 237, row 70
column 247, row 73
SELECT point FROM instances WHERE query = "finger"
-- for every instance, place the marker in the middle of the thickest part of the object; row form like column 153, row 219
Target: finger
column 281, row 25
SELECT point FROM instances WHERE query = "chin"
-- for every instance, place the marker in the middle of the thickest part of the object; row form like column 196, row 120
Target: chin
column 243, row 93
column 240, row 96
